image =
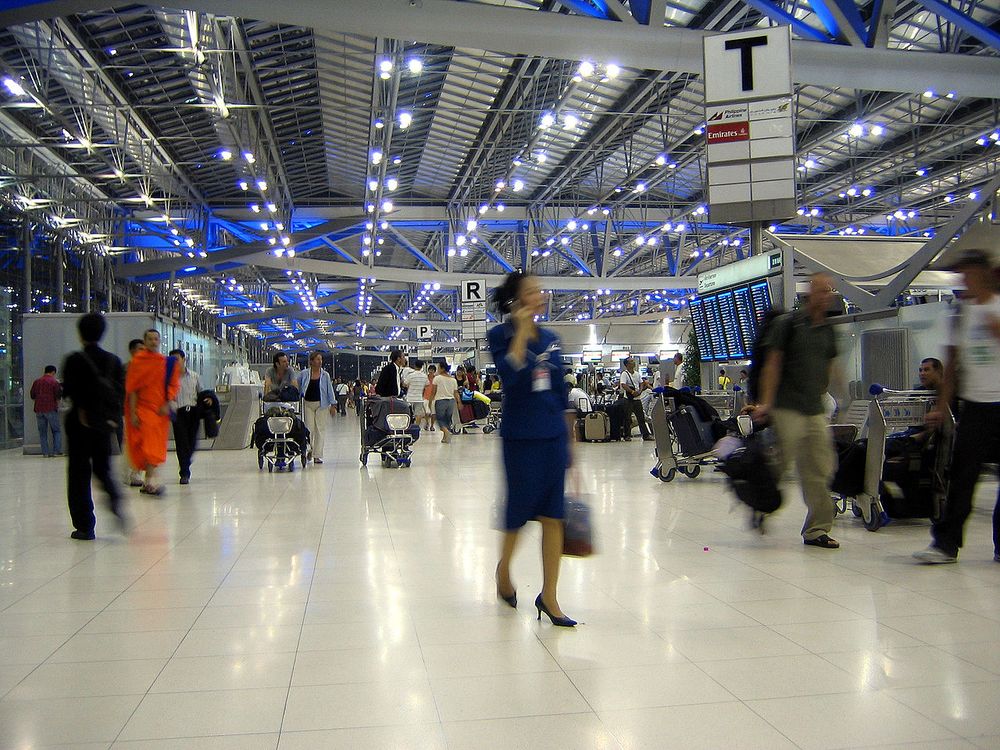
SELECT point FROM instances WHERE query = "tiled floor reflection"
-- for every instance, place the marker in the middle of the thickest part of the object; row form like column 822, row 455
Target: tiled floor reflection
column 351, row 607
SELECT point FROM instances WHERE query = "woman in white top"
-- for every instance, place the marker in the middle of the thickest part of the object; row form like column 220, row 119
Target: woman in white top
column 444, row 398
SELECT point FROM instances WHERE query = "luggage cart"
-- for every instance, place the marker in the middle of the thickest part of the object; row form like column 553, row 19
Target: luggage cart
column 893, row 412
column 495, row 418
column 279, row 447
column 387, row 428
column 670, row 457
column 723, row 402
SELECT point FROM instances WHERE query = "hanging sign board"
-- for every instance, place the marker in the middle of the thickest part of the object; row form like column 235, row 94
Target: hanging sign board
column 749, row 125
column 425, row 331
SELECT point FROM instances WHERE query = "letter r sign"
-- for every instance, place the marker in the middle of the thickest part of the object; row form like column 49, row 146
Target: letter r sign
column 474, row 290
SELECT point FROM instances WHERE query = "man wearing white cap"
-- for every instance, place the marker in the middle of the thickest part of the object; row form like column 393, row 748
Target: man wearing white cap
column 973, row 350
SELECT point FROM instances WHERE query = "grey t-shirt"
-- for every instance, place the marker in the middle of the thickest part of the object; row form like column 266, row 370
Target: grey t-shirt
column 807, row 350
column 277, row 385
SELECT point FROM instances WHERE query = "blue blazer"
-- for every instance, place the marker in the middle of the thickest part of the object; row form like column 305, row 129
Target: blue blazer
column 326, row 395
column 529, row 414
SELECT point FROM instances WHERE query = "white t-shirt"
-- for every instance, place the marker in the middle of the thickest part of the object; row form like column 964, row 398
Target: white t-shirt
column 978, row 351
column 630, row 379
column 341, row 389
column 578, row 399
column 415, row 381
column 446, row 387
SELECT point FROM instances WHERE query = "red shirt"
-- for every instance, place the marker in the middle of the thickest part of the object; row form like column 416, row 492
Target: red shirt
column 46, row 392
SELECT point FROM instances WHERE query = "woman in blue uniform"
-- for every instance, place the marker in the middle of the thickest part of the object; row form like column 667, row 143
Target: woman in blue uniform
column 536, row 434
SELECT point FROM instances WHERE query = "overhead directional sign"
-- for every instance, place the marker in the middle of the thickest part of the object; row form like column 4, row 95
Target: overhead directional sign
column 473, row 295
column 425, row 331
column 749, row 124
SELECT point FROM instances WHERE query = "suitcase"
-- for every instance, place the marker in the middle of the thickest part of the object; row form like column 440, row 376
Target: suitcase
column 616, row 415
column 694, row 436
column 596, row 427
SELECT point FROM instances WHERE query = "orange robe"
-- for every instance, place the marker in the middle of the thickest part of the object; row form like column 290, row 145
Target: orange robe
column 146, row 377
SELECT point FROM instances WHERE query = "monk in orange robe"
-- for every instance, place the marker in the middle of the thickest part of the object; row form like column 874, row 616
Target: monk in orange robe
column 147, row 402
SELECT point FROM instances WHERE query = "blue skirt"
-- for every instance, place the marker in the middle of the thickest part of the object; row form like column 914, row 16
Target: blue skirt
column 536, row 479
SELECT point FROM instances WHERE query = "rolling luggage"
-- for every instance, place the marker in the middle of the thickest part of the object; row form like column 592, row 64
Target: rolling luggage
column 751, row 477
column 695, row 437
column 616, row 415
column 596, row 427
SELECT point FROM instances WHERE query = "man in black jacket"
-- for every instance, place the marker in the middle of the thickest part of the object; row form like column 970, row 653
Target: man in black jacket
column 95, row 382
column 390, row 379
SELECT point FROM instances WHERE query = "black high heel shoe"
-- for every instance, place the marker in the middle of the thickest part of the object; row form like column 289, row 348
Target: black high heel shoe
column 562, row 622
column 512, row 599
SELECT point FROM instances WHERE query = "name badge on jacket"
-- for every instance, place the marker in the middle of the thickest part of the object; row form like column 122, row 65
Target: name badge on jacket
column 541, row 380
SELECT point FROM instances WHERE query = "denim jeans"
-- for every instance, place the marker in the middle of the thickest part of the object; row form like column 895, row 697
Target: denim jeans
column 49, row 420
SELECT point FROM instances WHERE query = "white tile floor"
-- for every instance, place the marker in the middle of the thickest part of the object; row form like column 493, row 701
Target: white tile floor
column 354, row 607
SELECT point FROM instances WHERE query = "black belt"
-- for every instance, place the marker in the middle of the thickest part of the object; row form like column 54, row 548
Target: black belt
column 186, row 408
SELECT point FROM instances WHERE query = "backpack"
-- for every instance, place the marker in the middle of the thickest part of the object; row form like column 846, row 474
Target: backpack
column 759, row 351
column 104, row 411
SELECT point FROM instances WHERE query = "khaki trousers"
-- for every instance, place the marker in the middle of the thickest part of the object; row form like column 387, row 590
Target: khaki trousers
column 806, row 441
column 313, row 415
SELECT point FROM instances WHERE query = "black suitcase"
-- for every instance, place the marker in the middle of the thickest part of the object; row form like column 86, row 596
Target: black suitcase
column 751, row 477
column 693, row 435
column 908, row 480
column 616, row 414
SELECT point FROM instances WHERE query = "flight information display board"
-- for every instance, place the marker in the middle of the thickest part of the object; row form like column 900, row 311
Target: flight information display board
column 735, row 348
column 746, row 320
column 701, row 330
column 760, row 293
column 716, row 332
column 726, row 323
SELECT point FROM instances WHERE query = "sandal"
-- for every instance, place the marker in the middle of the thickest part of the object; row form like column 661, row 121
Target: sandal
column 823, row 541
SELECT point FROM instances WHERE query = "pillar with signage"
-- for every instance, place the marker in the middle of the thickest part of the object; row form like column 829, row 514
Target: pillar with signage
column 749, row 123
column 474, row 296
column 424, row 334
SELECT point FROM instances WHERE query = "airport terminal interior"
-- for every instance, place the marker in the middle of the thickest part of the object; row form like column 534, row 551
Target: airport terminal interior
column 696, row 188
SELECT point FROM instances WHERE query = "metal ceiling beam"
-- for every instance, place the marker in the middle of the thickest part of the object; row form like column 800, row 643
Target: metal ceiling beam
column 240, row 254
column 782, row 16
column 842, row 20
column 452, row 279
column 965, row 22
column 554, row 35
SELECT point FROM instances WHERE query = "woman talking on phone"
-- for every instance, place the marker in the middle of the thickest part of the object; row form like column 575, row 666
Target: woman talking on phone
column 536, row 435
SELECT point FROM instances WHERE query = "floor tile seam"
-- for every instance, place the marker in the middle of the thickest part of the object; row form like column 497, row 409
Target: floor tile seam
column 993, row 677
column 759, row 715
column 191, row 627
column 967, row 660
column 312, row 583
column 889, row 693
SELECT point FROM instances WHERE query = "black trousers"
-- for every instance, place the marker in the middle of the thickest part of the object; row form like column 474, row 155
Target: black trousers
column 89, row 454
column 185, row 438
column 342, row 405
column 977, row 441
column 634, row 406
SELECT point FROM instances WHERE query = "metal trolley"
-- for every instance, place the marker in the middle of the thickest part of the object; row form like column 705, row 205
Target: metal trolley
column 669, row 457
column 393, row 441
column 280, row 447
column 890, row 413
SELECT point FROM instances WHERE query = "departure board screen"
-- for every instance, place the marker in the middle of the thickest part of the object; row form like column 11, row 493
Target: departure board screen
column 760, row 293
column 701, row 330
column 735, row 347
column 715, row 330
column 745, row 317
